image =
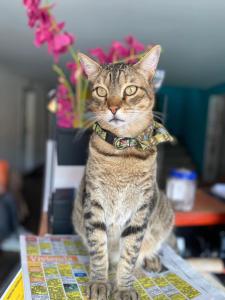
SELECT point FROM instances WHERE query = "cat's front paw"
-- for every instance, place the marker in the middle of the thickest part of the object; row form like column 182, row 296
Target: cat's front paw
column 98, row 290
column 153, row 264
column 130, row 294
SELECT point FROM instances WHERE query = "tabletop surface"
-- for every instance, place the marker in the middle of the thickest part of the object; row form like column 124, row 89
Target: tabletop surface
column 207, row 210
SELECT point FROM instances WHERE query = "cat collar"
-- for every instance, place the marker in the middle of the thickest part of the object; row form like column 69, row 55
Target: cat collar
column 150, row 138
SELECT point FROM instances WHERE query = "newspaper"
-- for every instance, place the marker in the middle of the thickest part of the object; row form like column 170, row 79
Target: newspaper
column 56, row 267
column 15, row 290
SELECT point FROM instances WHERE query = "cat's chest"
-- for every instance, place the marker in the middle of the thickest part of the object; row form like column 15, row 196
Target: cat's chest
column 119, row 207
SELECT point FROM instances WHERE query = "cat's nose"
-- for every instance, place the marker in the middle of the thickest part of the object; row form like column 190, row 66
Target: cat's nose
column 113, row 109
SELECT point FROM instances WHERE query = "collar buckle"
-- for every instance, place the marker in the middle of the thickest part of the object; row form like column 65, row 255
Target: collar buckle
column 121, row 143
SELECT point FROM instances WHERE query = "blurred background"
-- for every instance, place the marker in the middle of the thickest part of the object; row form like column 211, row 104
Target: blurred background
column 35, row 173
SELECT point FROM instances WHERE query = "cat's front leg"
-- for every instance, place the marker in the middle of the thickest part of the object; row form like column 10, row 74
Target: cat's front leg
column 132, row 237
column 94, row 219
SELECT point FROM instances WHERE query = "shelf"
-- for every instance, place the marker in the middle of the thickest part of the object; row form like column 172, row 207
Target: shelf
column 207, row 210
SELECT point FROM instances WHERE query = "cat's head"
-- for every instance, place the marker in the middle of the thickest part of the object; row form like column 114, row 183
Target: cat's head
column 122, row 94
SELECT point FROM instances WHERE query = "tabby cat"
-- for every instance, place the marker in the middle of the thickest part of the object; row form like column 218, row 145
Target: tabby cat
column 119, row 211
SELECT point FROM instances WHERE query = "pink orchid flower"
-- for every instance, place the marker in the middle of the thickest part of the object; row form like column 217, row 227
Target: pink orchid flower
column 64, row 106
column 62, row 91
column 72, row 67
column 59, row 44
column 33, row 16
column 117, row 52
column 134, row 44
column 48, row 30
column 120, row 49
column 65, row 121
column 31, row 3
column 43, row 34
column 99, row 54
column 65, row 116
column 34, row 12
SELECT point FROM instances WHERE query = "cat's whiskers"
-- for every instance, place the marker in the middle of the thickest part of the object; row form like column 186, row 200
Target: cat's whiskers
column 158, row 118
column 158, row 115
column 158, row 112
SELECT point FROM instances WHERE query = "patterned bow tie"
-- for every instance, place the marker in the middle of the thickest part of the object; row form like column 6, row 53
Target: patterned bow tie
column 150, row 138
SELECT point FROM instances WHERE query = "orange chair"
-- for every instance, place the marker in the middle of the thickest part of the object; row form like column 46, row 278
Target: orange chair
column 4, row 175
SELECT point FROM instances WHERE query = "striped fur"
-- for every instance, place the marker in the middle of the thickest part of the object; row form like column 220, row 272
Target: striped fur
column 119, row 212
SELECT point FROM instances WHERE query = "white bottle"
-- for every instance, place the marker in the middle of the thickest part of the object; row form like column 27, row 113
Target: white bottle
column 181, row 188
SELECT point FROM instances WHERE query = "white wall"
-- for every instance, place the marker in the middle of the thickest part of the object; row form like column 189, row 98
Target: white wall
column 12, row 91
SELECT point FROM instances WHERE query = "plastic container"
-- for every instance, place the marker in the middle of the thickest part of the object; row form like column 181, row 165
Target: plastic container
column 181, row 188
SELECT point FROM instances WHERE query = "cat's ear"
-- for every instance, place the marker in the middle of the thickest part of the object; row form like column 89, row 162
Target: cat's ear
column 91, row 67
column 148, row 63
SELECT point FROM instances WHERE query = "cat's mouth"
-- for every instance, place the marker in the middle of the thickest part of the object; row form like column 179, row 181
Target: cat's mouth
column 116, row 120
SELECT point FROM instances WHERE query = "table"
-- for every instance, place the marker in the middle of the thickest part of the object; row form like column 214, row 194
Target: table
column 208, row 210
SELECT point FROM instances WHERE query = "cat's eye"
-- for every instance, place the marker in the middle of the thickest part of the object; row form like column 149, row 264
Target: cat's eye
column 101, row 92
column 130, row 90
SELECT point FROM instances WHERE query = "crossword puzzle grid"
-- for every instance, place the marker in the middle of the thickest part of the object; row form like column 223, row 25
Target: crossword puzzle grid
column 58, row 270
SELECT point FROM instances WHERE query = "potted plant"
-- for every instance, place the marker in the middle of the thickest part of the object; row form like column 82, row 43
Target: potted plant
column 72, row 91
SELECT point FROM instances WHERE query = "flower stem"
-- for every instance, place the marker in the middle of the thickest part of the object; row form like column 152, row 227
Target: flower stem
column 60, row 73
column 83, row 98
